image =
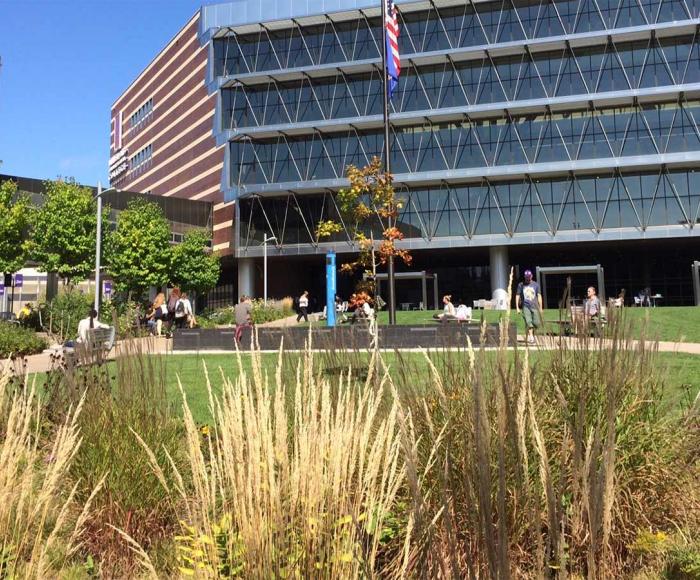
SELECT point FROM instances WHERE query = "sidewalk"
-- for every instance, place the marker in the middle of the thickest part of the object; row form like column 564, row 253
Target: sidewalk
column 40, row 363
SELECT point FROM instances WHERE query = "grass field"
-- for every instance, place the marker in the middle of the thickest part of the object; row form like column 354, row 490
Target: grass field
column 682, row 372
column 663, row 323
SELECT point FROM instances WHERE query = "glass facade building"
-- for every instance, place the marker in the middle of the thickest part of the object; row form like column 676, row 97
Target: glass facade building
column 515, row 123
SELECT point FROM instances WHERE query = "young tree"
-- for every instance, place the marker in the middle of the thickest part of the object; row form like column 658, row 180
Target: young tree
column 65, row 227
column 371, row 196
column 138, row 251
column 194, row 267
column 15, row 219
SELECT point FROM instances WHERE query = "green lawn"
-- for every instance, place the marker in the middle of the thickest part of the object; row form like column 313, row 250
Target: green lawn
column 663, row 323
column 682, row 372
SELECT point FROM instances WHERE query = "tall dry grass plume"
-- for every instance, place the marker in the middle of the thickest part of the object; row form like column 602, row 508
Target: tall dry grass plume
column 293, row 479
column 40, row 523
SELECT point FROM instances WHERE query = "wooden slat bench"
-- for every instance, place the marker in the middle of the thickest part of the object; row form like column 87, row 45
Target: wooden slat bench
column 99, row 344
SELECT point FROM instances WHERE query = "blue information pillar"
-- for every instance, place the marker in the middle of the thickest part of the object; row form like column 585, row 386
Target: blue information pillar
column 330, row 288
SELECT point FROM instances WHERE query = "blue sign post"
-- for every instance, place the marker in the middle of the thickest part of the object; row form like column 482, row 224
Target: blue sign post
column 19, row 280
column 330, row 288
column 108, row 290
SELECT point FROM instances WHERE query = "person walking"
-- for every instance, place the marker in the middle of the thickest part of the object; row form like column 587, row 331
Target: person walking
column 243, row 312
column 529, row 297
column 591, row 308
column 303, row 306
column 173, row 299
column 183, row 312
column 158, row 313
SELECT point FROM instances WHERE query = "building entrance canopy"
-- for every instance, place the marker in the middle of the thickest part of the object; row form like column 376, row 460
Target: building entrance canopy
column 541, row 274
column 423, row 276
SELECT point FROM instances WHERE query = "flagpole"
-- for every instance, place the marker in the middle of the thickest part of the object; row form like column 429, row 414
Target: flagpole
column 387, row 163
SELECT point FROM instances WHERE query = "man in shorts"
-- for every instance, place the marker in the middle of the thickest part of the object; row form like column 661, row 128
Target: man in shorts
column 530, row 298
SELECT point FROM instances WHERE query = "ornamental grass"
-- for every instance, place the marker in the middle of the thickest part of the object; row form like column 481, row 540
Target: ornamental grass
column 468, row 464
column 41, row 524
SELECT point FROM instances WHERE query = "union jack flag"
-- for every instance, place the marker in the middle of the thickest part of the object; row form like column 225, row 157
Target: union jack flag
column 393, row 65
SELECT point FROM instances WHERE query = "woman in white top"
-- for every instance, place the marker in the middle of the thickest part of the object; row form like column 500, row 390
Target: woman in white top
column 84, row 327
column 303, row 306
column 448, row 310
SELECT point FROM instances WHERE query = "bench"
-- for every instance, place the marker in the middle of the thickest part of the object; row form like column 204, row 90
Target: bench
column 8, row 317
column 578, row 322
column 453, row 320
column 100, row 342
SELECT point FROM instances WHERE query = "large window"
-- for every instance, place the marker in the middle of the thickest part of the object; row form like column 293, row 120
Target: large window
column 529, row 139
column 141, row 159
column 141, row 115
column 564, row 72
column 575, row 203
column 438, row 28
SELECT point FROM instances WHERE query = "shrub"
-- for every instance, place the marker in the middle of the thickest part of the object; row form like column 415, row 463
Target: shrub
column 272, row 310
column 262, row 312
column 18, row 341
column 122, row 398
column 546, row 468
column 62, row 315
column 126, row 316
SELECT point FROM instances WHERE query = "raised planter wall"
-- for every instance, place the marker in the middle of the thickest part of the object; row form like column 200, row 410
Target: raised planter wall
column 342, row 337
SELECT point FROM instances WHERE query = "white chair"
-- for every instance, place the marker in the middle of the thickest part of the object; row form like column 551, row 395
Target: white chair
column 637, row 301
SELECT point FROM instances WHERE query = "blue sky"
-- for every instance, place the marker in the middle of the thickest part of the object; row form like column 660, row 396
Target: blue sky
column 64, row 62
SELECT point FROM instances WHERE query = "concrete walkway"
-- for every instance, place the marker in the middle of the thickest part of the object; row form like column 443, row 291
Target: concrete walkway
column 43, row 362
column 48, row 359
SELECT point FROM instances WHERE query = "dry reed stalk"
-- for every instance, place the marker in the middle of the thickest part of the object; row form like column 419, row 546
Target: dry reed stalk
column 37, row 520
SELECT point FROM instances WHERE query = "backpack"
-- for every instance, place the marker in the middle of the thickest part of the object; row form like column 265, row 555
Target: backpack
column 179, row 308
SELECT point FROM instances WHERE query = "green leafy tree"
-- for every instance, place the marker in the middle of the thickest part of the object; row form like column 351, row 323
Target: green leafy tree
column 138, row 251
column 194, row 267
column 15, row 219
column 65, row 227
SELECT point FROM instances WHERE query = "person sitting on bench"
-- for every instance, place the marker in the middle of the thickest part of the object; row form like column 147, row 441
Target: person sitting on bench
column 363, row 308
column 448, row 310
column 84, row 327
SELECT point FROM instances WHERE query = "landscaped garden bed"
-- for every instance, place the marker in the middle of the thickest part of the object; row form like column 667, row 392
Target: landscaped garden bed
column 342, row 464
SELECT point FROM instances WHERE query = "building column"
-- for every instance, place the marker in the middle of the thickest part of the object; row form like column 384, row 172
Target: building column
column 246, row 277
column 498, row 266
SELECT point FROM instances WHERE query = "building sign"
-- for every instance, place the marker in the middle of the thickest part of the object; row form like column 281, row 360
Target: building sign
column 108, row 288
column 118, row 131
column 19, row 280
column 118, row 164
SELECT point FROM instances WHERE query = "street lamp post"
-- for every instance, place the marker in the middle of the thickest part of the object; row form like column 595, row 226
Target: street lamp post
column 98, row 247
column 265, row 240
column 98, row 243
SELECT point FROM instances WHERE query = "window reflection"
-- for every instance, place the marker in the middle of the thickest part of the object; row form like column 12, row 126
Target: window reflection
column 577, row 203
